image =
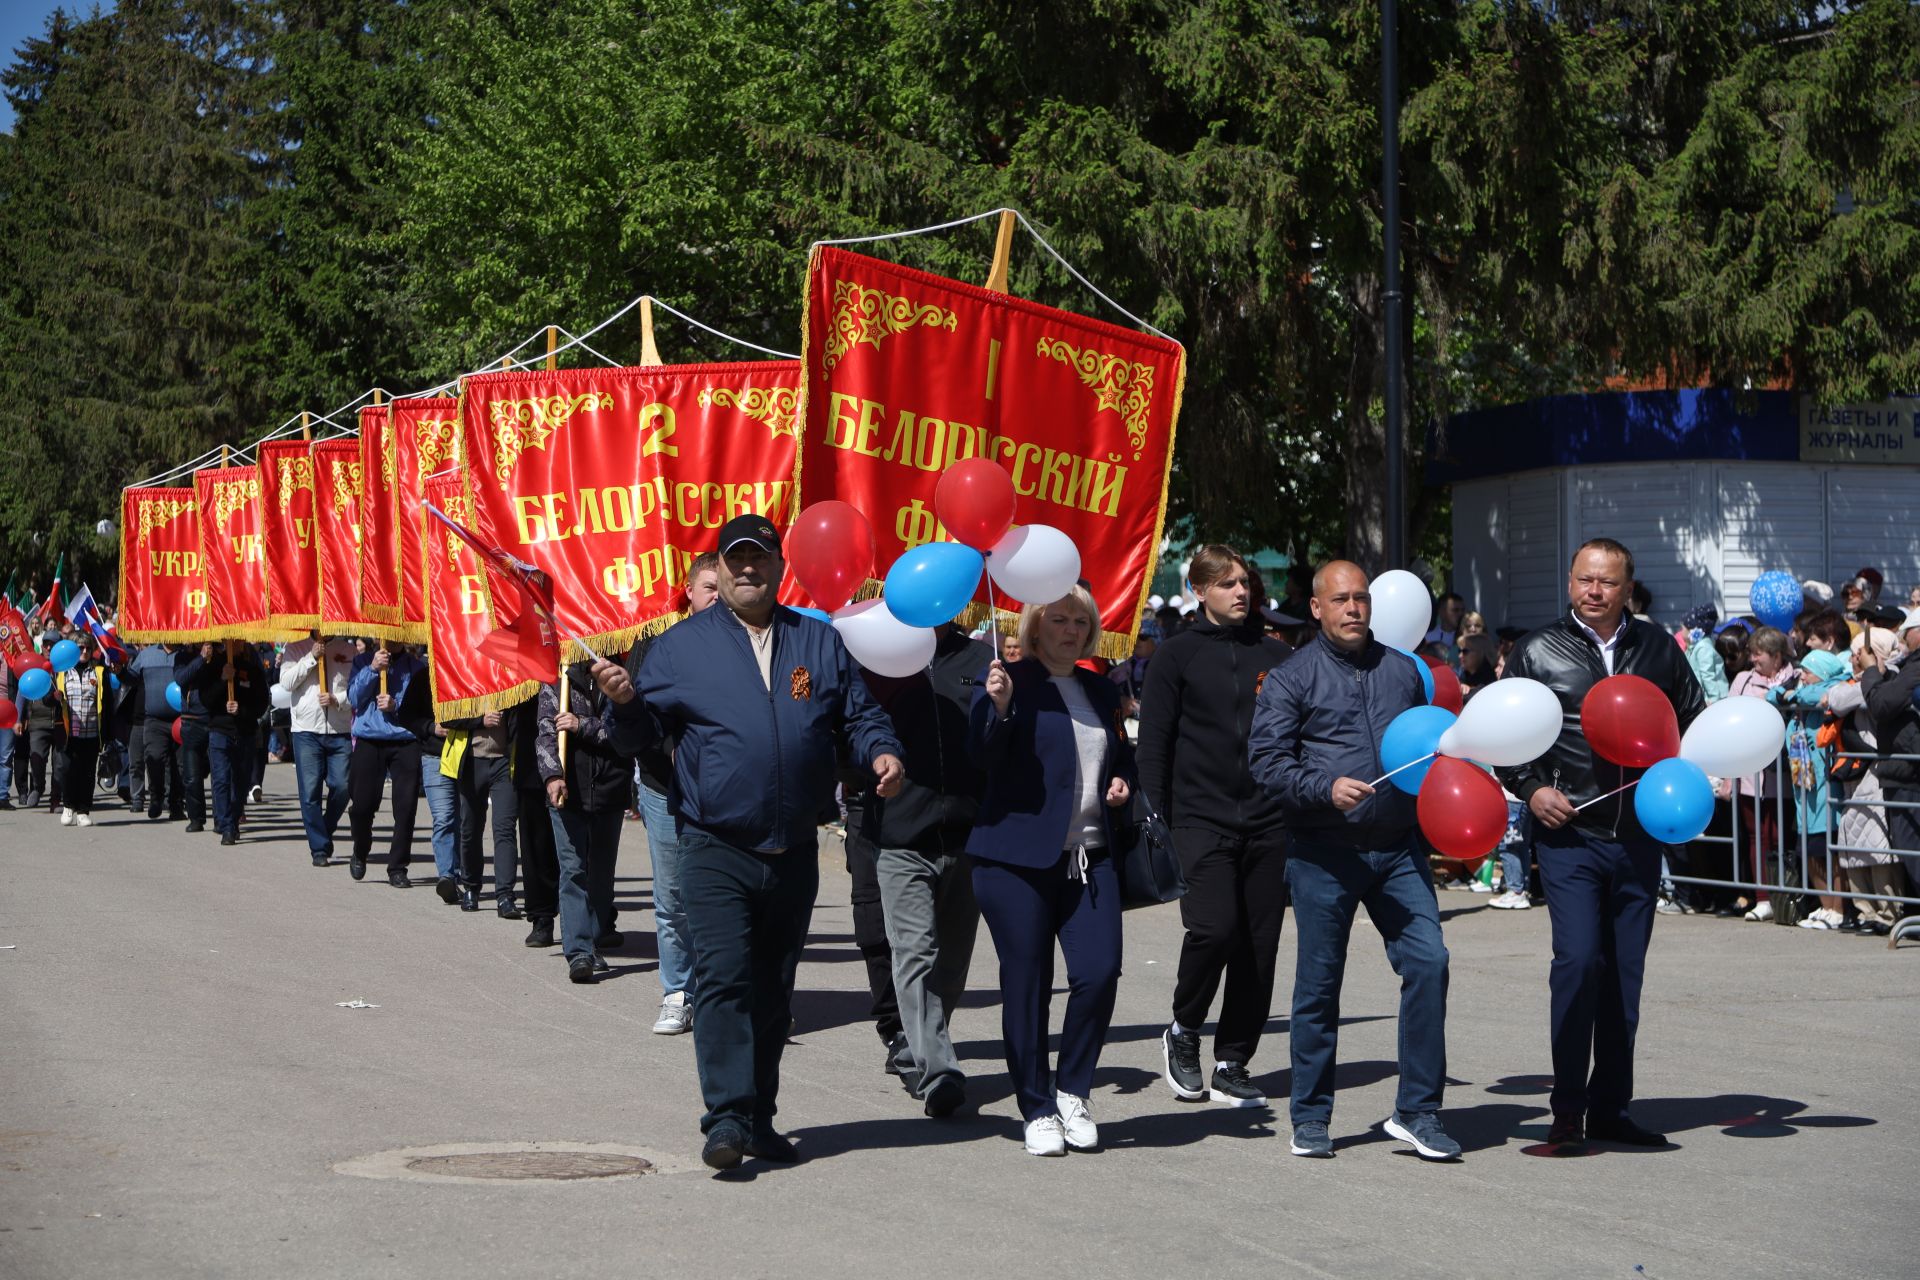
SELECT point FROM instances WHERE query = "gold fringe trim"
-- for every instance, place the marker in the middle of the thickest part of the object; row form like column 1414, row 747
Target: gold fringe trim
column 465, row 708
column 300, row 622
column 1160, row 522
column 163, row 636
column 610, row 643
column 806, row 354
column 372, row 630
column 383, row 615
column 254, row 632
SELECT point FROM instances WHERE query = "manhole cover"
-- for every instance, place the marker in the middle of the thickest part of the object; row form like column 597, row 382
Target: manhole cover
column 558, row 1166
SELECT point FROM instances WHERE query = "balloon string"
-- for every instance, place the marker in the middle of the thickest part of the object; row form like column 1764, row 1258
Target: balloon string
column 1597, row 799
column 993, row 615
column 1403, row 768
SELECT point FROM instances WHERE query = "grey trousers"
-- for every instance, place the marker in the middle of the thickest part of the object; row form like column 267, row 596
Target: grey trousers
column 931, row 921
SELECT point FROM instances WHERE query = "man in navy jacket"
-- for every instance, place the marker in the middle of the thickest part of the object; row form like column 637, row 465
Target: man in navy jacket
column 756, row 697
column 1315, row 744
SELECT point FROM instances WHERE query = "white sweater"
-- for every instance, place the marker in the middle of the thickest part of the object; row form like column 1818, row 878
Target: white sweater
column 300, row 677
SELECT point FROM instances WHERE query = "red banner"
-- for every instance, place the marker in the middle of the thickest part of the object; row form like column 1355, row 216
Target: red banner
column 232, row 552
column 908, row 373
column 426, row 434
column 612, row 480
column 379, row 548
column 287, row 535
column 465, row 681
column 163, row 587
column 336, row 517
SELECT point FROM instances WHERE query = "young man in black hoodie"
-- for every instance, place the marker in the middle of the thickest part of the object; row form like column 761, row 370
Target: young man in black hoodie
column 232, row 686
column 1196, row 707
column 916, row 843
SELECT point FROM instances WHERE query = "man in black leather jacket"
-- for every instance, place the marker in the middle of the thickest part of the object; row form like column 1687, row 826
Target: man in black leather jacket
column 1600, row 868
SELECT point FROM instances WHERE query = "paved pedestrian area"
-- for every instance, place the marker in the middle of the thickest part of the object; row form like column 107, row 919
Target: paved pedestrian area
column 185, row 1096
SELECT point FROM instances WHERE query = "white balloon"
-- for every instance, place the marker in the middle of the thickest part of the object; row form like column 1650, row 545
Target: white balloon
column 1734, row 737
column 1508, row 723
column 1402, row 605
column 1035, row 564
column 881, row 642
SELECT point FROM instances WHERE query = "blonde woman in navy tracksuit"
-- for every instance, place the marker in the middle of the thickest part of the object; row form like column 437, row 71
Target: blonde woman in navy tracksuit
column 1046, row 733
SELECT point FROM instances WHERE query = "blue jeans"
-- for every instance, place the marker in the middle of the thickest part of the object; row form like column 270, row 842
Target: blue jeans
column 669, row 914
column 6, row 761
column 748, row 914
column 1327, row 885
column 443, row 802
column 586, row 845
column 320, row 767
column 1600, row 898
column 230, row 757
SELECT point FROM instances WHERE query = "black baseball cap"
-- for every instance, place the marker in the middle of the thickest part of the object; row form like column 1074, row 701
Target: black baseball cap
column 750, row 528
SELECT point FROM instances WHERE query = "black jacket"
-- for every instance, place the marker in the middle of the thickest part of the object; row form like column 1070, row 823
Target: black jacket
column 1319, row 717
column 1896, row 728
column 1196, row 712
column 940, row 798
column 415, row 715
column 203, row 681
column 599, row 778
column 1562, row 656
column 656, row 758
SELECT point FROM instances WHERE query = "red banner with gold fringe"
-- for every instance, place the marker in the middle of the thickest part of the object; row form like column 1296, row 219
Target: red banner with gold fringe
column 337, row 474
column 908, row 373
column 426, row 435
column 287, row 533
column 465, row 681
column 379, row 547
column 612, row 480
column 232, row 552
column 163, row 588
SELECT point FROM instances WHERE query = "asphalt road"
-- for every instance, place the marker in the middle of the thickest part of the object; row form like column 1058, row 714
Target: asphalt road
column 180, row 1090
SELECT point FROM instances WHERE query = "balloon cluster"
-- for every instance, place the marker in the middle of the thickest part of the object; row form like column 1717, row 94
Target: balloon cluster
column 831, row 551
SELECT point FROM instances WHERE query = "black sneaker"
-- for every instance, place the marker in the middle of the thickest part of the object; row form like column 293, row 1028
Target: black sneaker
column 770, row 1146
column 945, row 1096
column 609, row 941
column 1310, row 1140
column 398, row 879
column 6, row 805
column 725, row 1145
column 580, row 969
column 448, row 888
column 1180, row 1052
column 601, row 966
column 320, row 859
column 195, row 827
column 227, row 837
column 541, row 935
column 357, row 866
column 469, row 897
column 507, row 909
column 1423, row 1131
column 1233, row 1086
column 899, row 1055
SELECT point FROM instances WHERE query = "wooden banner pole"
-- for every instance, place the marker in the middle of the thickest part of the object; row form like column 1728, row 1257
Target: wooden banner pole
column 649, row 354
column 1002, row 253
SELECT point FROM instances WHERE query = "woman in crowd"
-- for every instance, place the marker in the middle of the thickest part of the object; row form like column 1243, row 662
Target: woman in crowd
column 1045, row 733
column 1868, row 865
column 1825, row 637
column 1756, row 800
column 589, row 788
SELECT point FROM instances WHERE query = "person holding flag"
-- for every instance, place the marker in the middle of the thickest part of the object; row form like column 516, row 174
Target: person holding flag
column 83, row 693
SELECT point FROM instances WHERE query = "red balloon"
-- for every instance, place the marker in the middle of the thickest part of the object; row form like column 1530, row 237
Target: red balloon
column 974, row 499
column 1463, row 813
column 1628, row 721
column 1446, row 689
column 25, row 662
column 176, row 733
column 9, row 714
column 830, row 550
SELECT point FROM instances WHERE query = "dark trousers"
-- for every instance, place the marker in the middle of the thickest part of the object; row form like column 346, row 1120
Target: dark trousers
column 587, row 846
column 1327, row 886
column 747, row 914
column 1600, row 898
column 1026, row 909
column 45, row 763
column 159, row 757
column 230, row 757
column 194, row 768
column 1235, row 903
column 539, row 862
column 257, row 755
column 136, row 765
column 368, row 768
column 77, row 788
column 486, row 784
column 870, row 932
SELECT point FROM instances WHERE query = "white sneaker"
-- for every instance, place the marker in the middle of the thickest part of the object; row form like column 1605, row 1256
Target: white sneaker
column 676, row 1016
column 82, row 820
column 1761, row 913
column 1480, row 886
column 1815, row 920
column 1045, row 1137
column 1077, row 1121
column 1511, row 901
column 67, row 816
column 254, row 796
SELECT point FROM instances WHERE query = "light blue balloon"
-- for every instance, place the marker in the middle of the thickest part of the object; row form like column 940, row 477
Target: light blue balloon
column 36, row 683
column 821, row 614
column 929, row 585
column 64, row 656
column 175, row 698
column 113, row 681
column 1413, row 735
column 1776, row 599
column 1426, row 672
column 1674, row 801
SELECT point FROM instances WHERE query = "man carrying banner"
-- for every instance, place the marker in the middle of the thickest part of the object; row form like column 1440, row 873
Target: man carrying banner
column 322, row 728
column 232, row 685
column 755, row 696
column 154, row 751
column 383, row 748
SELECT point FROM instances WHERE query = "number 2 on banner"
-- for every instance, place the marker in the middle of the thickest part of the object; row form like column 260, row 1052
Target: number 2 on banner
column 656, row 440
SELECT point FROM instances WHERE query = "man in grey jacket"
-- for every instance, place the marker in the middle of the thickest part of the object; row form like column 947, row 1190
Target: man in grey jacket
column 1315, row 744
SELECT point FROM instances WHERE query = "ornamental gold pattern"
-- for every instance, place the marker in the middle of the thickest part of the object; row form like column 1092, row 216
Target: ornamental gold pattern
column 460, row 509
column 387, row 465
column 231, row 496
column 1118, row 384
column 346, row 483
column 295, row 474
column 871, row 315
column 158, row 513
column 435, row 438
column 529, row 424
column 777, row 407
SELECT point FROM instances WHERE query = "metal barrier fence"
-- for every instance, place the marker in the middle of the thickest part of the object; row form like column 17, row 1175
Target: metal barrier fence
column 1804, row 721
